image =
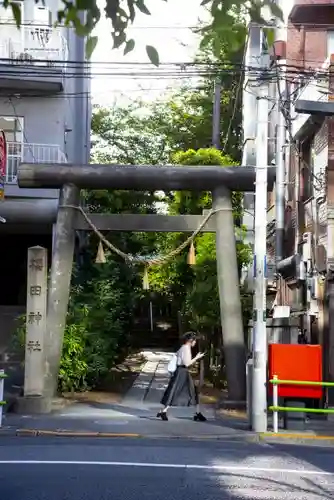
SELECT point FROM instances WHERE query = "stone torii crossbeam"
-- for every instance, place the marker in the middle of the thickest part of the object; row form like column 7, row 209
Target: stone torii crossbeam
column 71, row 178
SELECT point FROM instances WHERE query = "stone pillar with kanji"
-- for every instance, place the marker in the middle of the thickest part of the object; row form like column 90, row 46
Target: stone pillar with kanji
column 35, row 331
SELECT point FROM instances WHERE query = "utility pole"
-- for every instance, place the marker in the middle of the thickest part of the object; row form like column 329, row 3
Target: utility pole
column 216, row 114
column 259, row 391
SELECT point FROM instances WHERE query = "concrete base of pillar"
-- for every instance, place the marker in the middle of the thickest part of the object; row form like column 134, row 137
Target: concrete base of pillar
column 33, row 405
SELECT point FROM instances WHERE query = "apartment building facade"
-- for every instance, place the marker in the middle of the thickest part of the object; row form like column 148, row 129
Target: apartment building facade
column 304, row 283
column 45, row 114
column 309, row 179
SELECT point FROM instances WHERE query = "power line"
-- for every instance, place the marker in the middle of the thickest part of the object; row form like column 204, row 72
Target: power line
column 73, row 62
column 166, row 89
column 287, row 119
column 113, row 67
column 160, row 73
column 236, row 100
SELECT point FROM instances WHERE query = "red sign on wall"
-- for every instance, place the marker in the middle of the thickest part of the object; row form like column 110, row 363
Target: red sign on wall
column 3, row 163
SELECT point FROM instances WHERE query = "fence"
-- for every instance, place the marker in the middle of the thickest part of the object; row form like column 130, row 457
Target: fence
column 18, row 152
column 279, row 331
column 275, row 408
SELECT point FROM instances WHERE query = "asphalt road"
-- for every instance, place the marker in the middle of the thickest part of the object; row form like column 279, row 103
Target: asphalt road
column 94, row 469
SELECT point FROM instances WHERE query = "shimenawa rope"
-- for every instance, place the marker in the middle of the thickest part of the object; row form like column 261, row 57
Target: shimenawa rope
column 141, row 260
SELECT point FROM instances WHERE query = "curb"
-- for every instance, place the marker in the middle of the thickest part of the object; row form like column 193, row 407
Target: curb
column 294, row 436
column 266, row 437
column 91, row 434
column 88, row 434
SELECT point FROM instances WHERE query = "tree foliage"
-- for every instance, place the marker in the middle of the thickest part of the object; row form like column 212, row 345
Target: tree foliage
column 143, row 132
column 131, row 134
column 150, row 133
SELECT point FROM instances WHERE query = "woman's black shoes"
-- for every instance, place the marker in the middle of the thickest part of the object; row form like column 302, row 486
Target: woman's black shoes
column 162, row 415
column 199, row 417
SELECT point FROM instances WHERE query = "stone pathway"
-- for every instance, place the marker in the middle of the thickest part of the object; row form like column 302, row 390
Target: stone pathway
column 152, row 381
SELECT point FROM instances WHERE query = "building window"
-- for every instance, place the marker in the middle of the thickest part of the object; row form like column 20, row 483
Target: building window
column 330, row 43
column 13, row 128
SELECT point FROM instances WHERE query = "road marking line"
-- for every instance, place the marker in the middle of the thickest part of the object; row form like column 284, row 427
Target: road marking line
column 222, row 468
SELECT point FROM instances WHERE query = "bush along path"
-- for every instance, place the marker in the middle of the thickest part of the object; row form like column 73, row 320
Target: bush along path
column 115, row 385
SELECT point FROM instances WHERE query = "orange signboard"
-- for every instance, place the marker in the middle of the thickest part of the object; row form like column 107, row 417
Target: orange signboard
column 301, row 362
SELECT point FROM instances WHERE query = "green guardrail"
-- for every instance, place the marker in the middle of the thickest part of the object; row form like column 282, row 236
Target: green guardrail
column 276, row 381
column 301, row 410
column 276, row 408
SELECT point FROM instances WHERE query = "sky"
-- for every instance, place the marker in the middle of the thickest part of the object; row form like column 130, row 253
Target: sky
column 167, row 29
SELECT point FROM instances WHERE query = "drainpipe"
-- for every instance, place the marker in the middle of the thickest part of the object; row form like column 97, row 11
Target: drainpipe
column 297, row 195
column 280, row 36
column 280, row 179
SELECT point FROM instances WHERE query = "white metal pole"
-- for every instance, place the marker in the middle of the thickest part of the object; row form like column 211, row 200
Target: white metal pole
column 275, row 403
column 259, row 392
column 2, row 381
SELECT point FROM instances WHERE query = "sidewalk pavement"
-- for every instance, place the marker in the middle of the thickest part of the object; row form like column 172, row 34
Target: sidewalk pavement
column 135, row 415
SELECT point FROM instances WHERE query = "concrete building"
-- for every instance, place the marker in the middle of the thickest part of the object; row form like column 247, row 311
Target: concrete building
column 305, row 45
column 45, row 114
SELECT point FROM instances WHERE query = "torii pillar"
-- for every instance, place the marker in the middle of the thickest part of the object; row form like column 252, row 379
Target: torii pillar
column 229, row 296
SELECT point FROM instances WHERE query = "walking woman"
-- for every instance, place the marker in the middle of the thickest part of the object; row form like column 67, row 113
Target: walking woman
column 181, row 390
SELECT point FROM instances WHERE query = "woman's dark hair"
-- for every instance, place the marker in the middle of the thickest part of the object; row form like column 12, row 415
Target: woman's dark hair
column 188, row 336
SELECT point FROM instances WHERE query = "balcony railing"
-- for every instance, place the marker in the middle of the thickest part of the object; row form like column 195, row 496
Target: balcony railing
column 32, row 45
column 18, row 152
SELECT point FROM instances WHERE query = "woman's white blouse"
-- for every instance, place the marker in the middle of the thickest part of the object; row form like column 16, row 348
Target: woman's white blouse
column 184, row 355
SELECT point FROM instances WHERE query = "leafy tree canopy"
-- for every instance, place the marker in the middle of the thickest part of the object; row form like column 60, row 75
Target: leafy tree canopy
column 84, row 15
column 149, row 133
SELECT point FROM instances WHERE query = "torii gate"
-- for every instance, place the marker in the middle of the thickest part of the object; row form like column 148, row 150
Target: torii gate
column 217, row 179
